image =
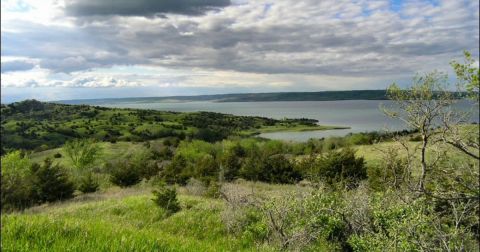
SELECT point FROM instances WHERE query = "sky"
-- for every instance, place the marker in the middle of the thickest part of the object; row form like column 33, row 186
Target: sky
column 79, row 49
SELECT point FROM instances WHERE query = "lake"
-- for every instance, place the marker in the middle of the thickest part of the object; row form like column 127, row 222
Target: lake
column 359, row 115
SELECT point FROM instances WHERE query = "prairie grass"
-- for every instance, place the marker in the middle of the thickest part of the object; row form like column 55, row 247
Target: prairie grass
column 121, row 220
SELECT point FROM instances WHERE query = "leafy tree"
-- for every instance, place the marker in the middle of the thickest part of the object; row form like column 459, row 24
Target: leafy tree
column 421, row 107
column 468, row 75
column 465, row 139
column 82, row 152
column 17, row 192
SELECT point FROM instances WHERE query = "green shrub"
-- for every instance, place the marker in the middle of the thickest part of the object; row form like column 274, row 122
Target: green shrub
column 176, row 172
column 166, row 198
column 57, row 155
column 142, row 161
column 123, row 174
column 390, row 173
column 231, row 164
column 278, row 169
column 16, row 184
column 88, row 184
column 51, row 182
column 17, row 192
column 206, row 169
column 340, row 166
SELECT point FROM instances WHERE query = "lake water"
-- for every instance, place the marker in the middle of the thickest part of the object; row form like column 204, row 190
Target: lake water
column 360, row 115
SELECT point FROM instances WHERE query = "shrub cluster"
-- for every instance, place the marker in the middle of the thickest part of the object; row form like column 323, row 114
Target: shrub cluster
column 25, row 184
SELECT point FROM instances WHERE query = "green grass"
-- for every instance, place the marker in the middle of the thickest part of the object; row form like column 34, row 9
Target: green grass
column 374, row 154
column 121, row 223
column 110, row 152
column 290, row 128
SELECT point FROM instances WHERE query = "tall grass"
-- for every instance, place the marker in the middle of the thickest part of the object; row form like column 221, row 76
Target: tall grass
column 133, row 223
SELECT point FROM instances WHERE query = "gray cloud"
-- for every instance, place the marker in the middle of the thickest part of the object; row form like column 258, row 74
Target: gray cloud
column 289, row 36
column 16, row 65
column 141, row 7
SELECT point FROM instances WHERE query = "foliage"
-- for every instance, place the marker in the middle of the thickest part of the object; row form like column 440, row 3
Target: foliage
column 17, row 191
column 51, row 182
column 34, row 125
column 123, row 174
column 422, row 106
column 166, row 198
column 468, row 75
column 82, row 152
column 176, row 172
column 339, row 166
column 206, row 169
column 88, row 184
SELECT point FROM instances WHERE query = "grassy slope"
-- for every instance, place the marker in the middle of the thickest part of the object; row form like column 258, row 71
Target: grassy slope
column 127, row 220
column 109, row 152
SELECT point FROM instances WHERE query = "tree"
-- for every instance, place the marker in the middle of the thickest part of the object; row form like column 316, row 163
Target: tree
column 16, row 187
column 468, row 75
column 465, row 139
column 82, row 152
column 421, row 107
column 51, row 182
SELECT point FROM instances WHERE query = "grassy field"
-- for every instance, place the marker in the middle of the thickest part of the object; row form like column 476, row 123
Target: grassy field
column 110, row 151
column 128, row 220
column 290, row 128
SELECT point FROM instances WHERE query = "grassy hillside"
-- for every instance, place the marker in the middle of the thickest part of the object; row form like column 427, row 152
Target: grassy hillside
column 216, row 190
column 127, row 219
column 34, row 125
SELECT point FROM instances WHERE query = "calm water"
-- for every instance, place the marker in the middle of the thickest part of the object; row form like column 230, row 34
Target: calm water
column 360, row 115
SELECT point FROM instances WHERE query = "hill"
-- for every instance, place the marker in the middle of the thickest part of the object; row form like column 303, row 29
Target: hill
column 247, row 97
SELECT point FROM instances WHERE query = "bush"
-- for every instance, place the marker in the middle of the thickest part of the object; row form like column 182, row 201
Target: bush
column 57, row 155
column 16, row 184
column 206, row 169
column 51, row 182
column 390, row 173
column 123, row 174
column 143, row 163
column 176, row 172
column 166, row 198
column 278, row 169
column 231, row 164
column 273, row 169
column 340, row 166
column 88, row 184
column 17, row 192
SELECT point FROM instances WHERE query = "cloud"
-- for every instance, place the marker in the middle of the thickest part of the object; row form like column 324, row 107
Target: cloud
column 288, row 44
column 99, row 82
column 16, row 65
column 141, row 7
